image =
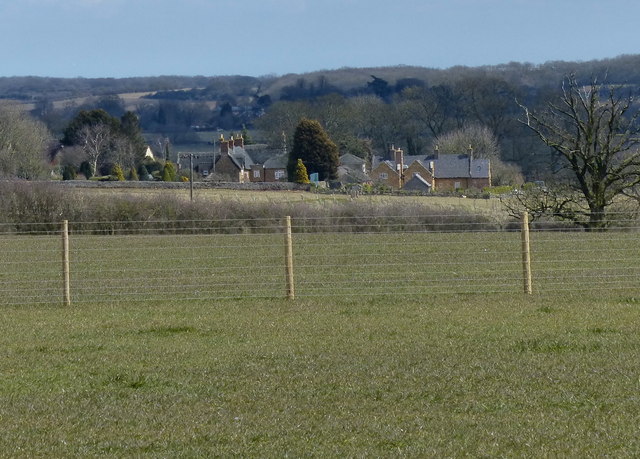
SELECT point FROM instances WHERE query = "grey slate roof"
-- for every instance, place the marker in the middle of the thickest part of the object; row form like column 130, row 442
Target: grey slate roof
column 447, row 166
column 351, row 160
column 276, row 162
column 241, row 157
column 417, row 183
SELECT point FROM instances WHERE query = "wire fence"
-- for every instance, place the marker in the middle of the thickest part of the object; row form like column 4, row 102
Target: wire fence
column 196, row 260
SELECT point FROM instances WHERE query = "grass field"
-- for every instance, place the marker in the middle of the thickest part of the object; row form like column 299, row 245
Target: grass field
column 495, row 375
column 393, row 347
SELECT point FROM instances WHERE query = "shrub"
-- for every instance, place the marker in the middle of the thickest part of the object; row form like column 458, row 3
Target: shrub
column 69, row 172
column 118, row 173
column 169, row 172
column 133, row 175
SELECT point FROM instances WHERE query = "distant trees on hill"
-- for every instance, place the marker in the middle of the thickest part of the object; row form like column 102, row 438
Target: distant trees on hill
column 362, row 110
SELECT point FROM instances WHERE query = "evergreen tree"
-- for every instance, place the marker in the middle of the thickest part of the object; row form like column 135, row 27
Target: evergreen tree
column 318, row 152
column 143, row 172
column 133, row 175
column 69, row 172
column 169, row 172
column 118, row 173
column 301, row 175
column 86, row 169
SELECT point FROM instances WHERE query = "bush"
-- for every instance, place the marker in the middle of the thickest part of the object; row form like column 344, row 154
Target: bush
column 118, row 173
column 69, row 172
column 169, row 172
column 133, row 175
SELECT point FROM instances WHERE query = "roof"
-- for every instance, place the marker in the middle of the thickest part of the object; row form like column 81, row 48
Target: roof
column 351, row 160
column 447, row 166
column 240, row 158
column 349, row 175
column 417, row 183
column 453, row 166
column 276, row 162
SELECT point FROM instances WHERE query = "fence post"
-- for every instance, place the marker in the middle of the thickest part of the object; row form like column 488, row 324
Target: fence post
column 288, row 250
column 526, row 254
column 65, row 264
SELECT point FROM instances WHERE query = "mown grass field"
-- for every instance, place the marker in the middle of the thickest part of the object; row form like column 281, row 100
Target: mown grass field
column 458, row 375
column 393, row 347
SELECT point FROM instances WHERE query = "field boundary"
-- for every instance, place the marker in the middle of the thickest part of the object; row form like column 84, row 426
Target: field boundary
column 78, row 262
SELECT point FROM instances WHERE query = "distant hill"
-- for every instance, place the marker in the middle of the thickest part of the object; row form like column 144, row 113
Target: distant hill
column 621, row 69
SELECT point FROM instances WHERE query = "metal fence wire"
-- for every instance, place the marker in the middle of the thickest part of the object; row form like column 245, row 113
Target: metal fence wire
column 159, row 261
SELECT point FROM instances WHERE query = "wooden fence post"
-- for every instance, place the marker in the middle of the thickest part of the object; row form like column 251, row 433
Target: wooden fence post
column 65, row 264
column 288, row 250
column 526, row 254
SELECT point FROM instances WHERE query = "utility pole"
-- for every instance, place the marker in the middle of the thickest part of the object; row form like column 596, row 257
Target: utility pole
column 191, row 176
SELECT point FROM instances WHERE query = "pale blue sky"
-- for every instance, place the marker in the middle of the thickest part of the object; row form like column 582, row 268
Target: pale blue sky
column 120, row 38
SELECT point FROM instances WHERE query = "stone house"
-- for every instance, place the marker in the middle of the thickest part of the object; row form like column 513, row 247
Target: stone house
column 436, row 172
column 232, row 163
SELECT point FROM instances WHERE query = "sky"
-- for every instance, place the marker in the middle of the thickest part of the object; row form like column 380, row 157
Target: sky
column 129, row 38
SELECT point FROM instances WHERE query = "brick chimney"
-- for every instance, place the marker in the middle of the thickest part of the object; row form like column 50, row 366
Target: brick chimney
column 224, row 145
column 437, row 152
column 238, row 142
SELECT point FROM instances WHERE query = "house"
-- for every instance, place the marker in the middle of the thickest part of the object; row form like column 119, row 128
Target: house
column 353, row 162
column 275, row 169
column 352, row 169
column 441, row 172
column 232, row 163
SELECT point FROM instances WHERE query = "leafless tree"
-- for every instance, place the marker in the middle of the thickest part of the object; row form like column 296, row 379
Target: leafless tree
column 595, row 129
column 96, row 141
column 23, row 144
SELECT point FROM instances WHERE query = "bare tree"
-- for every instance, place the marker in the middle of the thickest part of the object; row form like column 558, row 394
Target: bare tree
column 484, row 145
column 23, row 144
column 95, row 141
column 595, row 129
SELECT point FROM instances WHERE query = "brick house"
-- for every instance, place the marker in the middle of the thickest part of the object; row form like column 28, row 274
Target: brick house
column 275, row 169
column 233, row 163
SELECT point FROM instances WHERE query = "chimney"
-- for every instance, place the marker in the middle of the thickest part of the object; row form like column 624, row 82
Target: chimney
column 470, row 161
column 437, row 152
column 238, row 142
column 399, row 159
column 224, row 145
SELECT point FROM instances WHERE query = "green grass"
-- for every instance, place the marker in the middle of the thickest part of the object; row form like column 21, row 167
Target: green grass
column 496, row 375
column 398, row 344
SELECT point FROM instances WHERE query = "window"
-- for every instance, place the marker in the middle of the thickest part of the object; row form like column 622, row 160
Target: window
column 383, row 176
column 256, row 173
column 279, row 174
column 456, row 185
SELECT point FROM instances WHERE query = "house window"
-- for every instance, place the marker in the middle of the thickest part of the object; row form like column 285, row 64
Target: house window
column 256, row 174
column 383, row 176
column 279, row 174
column 456, row 185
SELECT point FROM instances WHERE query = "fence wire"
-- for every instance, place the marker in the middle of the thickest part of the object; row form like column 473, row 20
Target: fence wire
column 146, row 261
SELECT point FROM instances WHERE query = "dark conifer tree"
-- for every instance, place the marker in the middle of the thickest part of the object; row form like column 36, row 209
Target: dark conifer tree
column 317, row 151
